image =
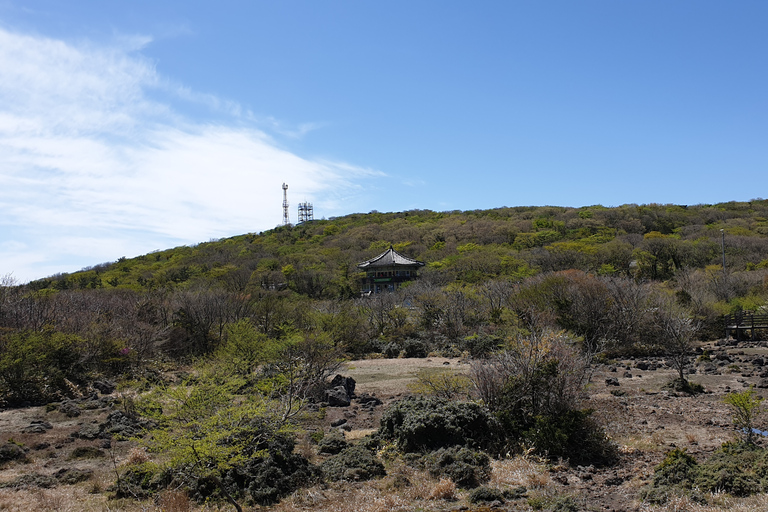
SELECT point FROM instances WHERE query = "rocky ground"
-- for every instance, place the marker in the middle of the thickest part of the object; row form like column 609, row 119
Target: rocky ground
column 68, row 444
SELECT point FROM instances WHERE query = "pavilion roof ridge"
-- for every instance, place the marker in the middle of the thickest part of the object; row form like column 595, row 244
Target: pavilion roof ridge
column 389, row 258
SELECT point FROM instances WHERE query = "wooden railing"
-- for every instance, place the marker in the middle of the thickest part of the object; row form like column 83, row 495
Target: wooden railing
column 745, row 321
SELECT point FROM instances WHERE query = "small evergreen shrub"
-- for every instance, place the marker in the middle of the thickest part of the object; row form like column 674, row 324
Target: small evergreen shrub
column 415, row 348
column 392, row 350
column 421, row 424
column 466, row 468
column 332, row 443
column 739, row 469
column 11, row 451
column 87, row 452
column 677, row 469
column 572, row 435
column 355, row 463
column 482, row 494
column 265, row 480
column 141, row 481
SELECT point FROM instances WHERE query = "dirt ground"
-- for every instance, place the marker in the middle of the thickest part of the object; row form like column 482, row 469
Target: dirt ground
column 628, row 397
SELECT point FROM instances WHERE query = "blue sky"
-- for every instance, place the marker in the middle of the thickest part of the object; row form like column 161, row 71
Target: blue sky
column 127, row 127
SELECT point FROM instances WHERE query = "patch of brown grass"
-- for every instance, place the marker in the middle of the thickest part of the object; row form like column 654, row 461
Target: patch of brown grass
column 445, row 489
column 519, row 471
column 174, row 501
column 136, row 456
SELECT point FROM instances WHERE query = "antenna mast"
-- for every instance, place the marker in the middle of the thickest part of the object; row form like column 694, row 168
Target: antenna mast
column 286, row 218
column 306, row 212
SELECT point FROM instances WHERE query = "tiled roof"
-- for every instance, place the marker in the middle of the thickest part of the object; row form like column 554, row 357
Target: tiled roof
column 390, row 258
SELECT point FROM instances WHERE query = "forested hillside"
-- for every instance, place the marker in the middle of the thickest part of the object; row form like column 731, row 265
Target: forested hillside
column 598, row 272
column 225, row 349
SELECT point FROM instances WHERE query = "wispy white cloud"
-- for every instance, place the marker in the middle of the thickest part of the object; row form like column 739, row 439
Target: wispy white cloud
column 92, row 168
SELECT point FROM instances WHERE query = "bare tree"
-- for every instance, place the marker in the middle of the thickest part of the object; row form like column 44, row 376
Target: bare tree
column 678, row 330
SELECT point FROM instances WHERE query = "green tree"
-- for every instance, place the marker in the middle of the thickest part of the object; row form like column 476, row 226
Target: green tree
column 745, row 407
column 206, row 429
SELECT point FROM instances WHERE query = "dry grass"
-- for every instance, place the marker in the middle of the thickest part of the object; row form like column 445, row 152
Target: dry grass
column 519, row 471
column 758, row 503
column 445, row 489
column 174, row 501
column 136, row 456
column 354, row 435
column 61, row 499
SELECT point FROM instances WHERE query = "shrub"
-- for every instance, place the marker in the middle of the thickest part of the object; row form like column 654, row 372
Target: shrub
column 480, row 345
column 420, row 424
column 265, row 480
column 11, row 451
column 392, row 350
column 677, row 469
column 739, row 469
column 486, row 494
column 86, row 452
column 141, row 481
column 534, row 389
column 572, row 435
column 466, row 468
column 684, row 386
column 745, row 407
column 35, row 366
column 332, row 443
column 355, row 463
column 415, row 348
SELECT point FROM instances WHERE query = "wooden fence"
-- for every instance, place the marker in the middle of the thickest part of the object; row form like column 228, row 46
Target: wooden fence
column 745, row 321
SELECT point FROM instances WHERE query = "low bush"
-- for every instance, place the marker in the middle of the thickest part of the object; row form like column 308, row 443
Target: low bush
column 482, row 494
column 421, row 424
column 332, row 443
column 572, row 435
column 415, row 348
column 265, row 480
column 355, row 463
column 11, row 451
column 141, row 481
column 739, row 469
column 466, row 468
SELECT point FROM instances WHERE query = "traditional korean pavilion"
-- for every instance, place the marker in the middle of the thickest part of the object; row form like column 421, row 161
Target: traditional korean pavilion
column 387, row 271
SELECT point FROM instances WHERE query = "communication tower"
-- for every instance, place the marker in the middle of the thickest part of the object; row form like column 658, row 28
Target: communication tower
column 306, row 213
column 286, row 217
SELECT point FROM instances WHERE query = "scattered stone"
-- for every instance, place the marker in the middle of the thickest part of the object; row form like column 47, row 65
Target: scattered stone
column 339, row 422
column 611, row 381
column 88, row 432
column 105, row 387
column 337, row 397
column 627, row 375
column 34, row 429
column 70, row 409
column 347, row 382
column 369, row 401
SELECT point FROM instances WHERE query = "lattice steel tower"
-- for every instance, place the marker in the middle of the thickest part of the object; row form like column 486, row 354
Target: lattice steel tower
column 306, row 213
column 286, row 218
